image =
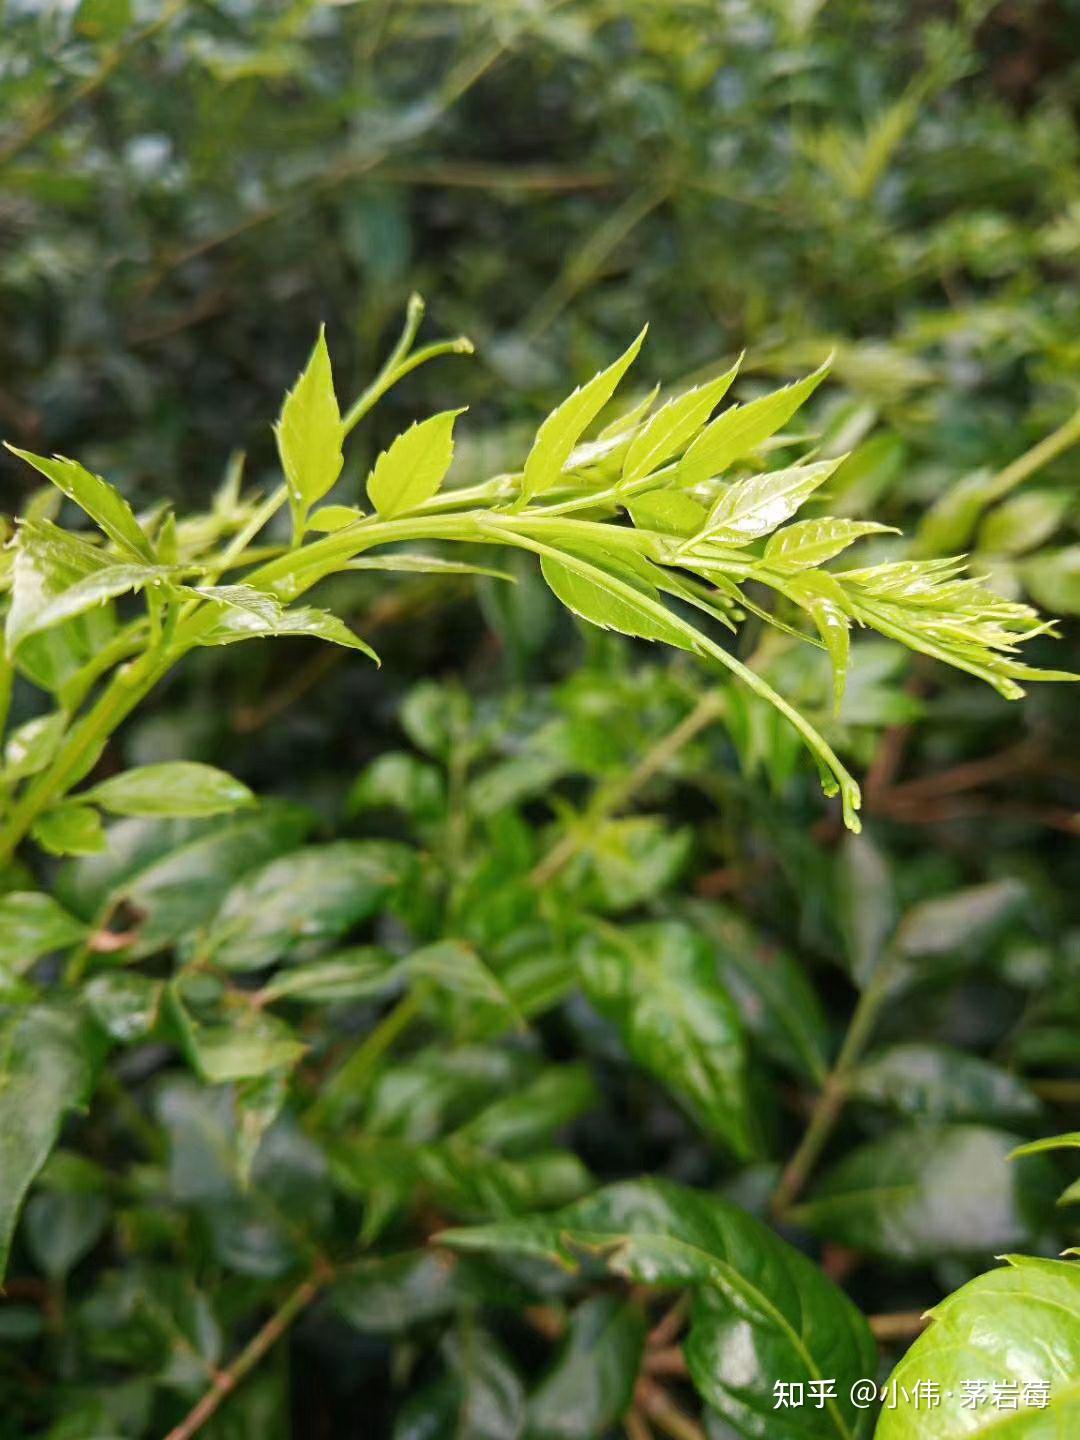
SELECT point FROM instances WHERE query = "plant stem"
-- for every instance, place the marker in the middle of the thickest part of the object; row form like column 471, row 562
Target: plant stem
column 615, row 796
column 654, row 1400
column 80, row 749
column 1047, row 449
column 226, row 1381
column 903, row 1325
column 833, row 1096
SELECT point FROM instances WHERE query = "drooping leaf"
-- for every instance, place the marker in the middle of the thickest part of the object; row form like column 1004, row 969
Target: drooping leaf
column 565, row 426
column 414, row 466
column 31, row 925
column 740, row 430
column 176, row 788
column 101, row 501
column 631, row 604
column 48, row 1059
column 673, row 426
column 1002, row 1354
column 310, row 434
column 760, row 1310
column 866, row 904
column 931, row 1190
column 657, row 984
column 823, row 600
column 776, row 1000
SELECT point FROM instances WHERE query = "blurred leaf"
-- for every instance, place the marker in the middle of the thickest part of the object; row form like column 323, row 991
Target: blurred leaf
column 760, row 1309
column 865, row 903
column 931, row 1190
column 957, row 921
column 31, row 925
column 180, row 788
column 591, row 1384
column 658, row 985
column 936, row 1083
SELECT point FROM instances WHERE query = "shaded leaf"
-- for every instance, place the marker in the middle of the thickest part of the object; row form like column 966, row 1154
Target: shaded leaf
column 31, row 925
column 184, row 789
column 591, row 1384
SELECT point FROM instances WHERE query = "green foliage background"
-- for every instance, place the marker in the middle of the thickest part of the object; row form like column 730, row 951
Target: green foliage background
column 187, row 190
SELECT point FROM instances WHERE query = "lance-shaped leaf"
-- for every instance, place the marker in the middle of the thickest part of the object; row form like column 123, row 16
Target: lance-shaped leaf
column 1003, row 1356
column 48, row 1059
column 242, row 622
column 742, row 429
column 761, row 1310
column 414, row 466
column 310, row 434
column 932, row 1190
column 101, row 501
column 565, row 426
column 613, row 592
column 808, row 543
column 751, row 508
column 937, row 1083
column 658, row 985
column 865, row 904
column 181, row 788
column 673, row 426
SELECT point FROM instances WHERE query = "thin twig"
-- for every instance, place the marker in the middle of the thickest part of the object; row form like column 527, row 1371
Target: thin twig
column 226, row 1381
column 615, row 797
column 636, row 1426
column 658, row 1405
column 51, row 111
column 903, row 1325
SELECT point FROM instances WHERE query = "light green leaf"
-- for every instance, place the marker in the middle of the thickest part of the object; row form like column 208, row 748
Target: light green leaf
column 177, row 788
column 742, row 429
column 355, row 974
column 310, row 434
column 455, row 967
column 748, row 509
column 673, row 426
column 932, row 1190
column 329, row 518
column 244, row 623
column 1053, row 578
column 808, row 543
column 565, row 426
column 824, row 601
column 32, row 925
column 1003, row 1352
column 48, row 561
column 1069, row 1141
column 31, row 747
column 1022, row 522
column 672, row 512
column 94, row 590
column 48, row 1059
column 760, row 1309
column 403, row 564
column 658, row 985
column 583, row 585
column 415, row 465
column 104, row 504
column 249, row 1045
column 70, row 829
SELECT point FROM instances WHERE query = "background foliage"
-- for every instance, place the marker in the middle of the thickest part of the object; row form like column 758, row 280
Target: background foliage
column 186, row 191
